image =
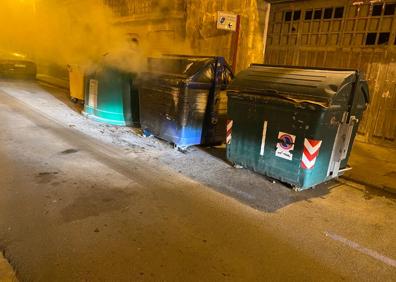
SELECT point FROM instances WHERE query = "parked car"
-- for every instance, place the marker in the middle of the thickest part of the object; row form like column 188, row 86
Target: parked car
column 16, row 65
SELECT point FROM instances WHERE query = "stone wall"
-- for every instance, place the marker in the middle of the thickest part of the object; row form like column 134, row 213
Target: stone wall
column 189, row 26
column 205, row 38
column 158, row 25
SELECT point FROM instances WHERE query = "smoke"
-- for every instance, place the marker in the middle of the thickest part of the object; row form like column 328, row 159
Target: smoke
column 16, row 20
column 81, row 32
column 88, row 32
column 78, row 32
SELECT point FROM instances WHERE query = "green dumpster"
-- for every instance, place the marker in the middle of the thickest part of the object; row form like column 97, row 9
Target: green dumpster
column 294, row 124
column 111, row 97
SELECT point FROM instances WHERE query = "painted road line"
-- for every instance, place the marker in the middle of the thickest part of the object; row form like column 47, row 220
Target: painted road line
column 374, row 254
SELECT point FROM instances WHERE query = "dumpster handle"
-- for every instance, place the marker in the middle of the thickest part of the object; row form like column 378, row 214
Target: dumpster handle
column 342, row 87
column 353, row 99
column 365, row 92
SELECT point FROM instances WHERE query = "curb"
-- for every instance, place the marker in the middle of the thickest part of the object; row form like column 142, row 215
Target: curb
column 61, row 83
column 371, row 185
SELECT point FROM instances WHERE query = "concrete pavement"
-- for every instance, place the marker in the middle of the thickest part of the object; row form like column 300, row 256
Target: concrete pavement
column 7, row 274
column 373, row 165
column 73, row 207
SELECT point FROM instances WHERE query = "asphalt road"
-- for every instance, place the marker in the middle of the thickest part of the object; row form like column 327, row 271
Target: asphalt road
column 73, row 208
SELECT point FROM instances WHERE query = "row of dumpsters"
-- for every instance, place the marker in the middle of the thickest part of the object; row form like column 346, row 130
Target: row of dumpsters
column 293, row 124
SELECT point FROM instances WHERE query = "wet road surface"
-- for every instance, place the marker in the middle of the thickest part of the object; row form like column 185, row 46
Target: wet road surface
column 75, row 209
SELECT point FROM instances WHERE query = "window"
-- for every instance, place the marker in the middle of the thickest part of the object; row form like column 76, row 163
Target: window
column 339, row 12
column 318, row 14
column 389, row 9
column 296, row 15
column 328, row 13
column 288, row 16
column 377, row 10
column 308, row 15
column 292, row 15
column 383, row 38
column 370, row 39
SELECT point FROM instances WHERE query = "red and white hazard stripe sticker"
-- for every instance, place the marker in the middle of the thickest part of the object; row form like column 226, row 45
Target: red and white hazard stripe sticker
column 311, row 152
column 229, row 131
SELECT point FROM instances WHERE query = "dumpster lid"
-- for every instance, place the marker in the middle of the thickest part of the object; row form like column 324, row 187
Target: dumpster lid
column 297, row 84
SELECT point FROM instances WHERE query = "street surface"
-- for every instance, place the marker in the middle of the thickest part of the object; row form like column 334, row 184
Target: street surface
column 78, row 205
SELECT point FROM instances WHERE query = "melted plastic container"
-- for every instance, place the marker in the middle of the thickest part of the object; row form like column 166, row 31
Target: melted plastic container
column 183, row 99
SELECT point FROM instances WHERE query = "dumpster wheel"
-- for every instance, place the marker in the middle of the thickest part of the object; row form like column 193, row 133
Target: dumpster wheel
column 299, row 189
column 182, row 149
column 296, row 189
column 237, row 166
column 146, row 133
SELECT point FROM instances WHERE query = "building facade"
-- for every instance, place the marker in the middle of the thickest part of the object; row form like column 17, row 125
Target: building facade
column 189, row 26
column 348, row 34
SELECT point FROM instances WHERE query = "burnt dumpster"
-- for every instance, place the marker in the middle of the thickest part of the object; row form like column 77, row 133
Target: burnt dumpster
column 183, row 99
column 294, row 124
column 111, row 97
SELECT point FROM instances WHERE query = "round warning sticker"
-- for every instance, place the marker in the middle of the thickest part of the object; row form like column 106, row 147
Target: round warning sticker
column 285, row 145
column 286, row 141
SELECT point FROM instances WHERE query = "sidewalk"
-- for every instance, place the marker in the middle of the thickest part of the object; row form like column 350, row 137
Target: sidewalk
column 373, row 165
column 6, row 272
